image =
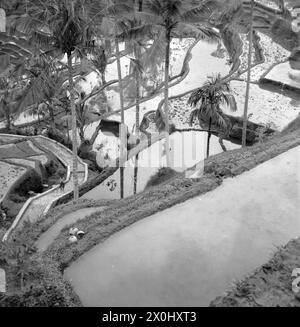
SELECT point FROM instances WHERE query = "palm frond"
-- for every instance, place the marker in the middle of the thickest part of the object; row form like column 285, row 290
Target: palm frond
column 42, row 41
column 153, row 6
column 44, row 85
column 196, row 97
column 160, row 120
column 203, row 32
column 137, row 33
column 148, row 18
column 230, row 101
column 31, row 95
column 204, row 11
column 137, row 65
column 18, row 41
column 193, row 116
column 99, row 59
column 156, row 51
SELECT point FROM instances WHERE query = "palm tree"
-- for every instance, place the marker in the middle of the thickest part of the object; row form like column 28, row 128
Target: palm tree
column 121, row 93
column 208, row 100
column 99, row 60
column 134, row 33
column 60, row 27
column 177, row 15
column 245, row 119
column 112, row 26
column 82, row 115
column 44, row 86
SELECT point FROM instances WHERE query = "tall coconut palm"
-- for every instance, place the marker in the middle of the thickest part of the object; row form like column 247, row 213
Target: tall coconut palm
column 245, row 119
column 122, row 131
column 208, row 100
column 172, row 16
column 134, row 34
column 113, row 25
column 137, row 55
column 138, row 68
column 60, row 27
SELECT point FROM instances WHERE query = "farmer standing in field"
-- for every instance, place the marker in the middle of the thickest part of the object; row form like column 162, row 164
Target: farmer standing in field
column 61, row 184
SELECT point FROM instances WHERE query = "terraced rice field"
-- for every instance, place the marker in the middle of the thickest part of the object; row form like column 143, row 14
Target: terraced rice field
column 19, row 150
column 30, row 163
column 16, row 155
column 9, row 173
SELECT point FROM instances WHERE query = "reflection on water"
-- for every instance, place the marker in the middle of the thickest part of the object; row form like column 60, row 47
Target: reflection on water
column 187, row 149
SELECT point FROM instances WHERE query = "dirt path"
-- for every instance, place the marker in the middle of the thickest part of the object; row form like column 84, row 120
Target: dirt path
column 192, row 252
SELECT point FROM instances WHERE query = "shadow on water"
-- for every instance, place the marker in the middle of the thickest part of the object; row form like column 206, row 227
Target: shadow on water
column 191, row 146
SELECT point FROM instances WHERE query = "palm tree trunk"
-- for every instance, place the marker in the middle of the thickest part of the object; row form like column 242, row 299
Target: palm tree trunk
column 95, row 134
column 51, row 113
column 208, row 138
column 103, row 91
column 68, row 132
column 140, row 5
column 39, row 119
column 137, row 95
column 74, row 128
column 81, row 132
column 137, row 55
column 7, row 116
column 221, row 142
column 166, row 95
column 122, row 126
column 22, row 280
column 244, row 135
column 137, row 117
column 103, row 78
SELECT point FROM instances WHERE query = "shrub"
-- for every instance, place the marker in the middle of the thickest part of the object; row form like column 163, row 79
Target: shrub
column 30, row 181
column 39, row 295
column 17, row 198
column 163, row 175
column 51, row 167
column 59, row 137
column 60, row 172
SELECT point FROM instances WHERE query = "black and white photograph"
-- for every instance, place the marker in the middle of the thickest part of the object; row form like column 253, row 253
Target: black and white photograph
column 149, row 156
